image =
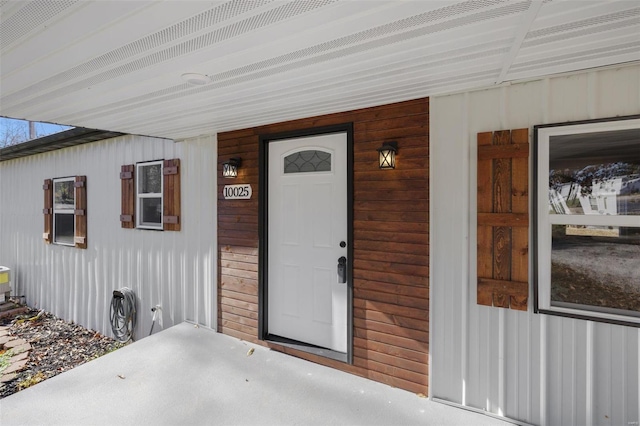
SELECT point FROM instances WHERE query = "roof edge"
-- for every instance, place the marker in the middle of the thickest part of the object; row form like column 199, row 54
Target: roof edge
column 71, row 137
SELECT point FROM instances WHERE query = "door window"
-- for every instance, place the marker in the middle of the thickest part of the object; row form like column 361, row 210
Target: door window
column 307, row 161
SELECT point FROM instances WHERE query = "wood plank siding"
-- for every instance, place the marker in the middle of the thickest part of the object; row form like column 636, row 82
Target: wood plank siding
column 391, row 243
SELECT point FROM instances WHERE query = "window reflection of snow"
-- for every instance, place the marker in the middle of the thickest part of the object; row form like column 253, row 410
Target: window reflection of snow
column 576, row 191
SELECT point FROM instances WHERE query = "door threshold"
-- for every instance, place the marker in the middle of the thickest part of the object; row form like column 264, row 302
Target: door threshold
column 308, row 348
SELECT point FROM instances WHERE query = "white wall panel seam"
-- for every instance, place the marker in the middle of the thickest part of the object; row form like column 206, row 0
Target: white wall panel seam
column 624, row 376
column 543, row 370
column 574, row 374
column 501, row 362
column 465, row 255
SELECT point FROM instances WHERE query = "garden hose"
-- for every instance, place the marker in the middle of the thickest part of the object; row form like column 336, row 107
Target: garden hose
column 123, row 314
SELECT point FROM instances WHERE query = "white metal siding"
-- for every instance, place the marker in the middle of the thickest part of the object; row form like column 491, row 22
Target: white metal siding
column 536, row 368
column 176, row 270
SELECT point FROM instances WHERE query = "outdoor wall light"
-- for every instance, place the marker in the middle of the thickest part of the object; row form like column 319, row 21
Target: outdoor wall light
column 230, row 168
column 387, row 155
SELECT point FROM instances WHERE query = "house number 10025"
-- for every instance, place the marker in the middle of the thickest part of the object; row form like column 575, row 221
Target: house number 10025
column 237, row 192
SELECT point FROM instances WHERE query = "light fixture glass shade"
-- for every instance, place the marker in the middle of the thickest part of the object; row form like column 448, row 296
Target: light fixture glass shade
column 230, row 168
column 387, row 155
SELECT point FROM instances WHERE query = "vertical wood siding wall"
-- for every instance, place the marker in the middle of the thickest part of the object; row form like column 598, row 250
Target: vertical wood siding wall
column 391, row 223
column 174, row 269
column 537, row 368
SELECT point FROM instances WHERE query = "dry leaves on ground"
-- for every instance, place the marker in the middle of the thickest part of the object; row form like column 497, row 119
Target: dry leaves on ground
column 57, row 346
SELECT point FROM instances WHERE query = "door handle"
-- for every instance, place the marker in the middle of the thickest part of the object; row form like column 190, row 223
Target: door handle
column 342, row 270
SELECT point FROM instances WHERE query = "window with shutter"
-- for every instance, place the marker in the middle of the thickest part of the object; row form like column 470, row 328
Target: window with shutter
column 171, row 195
column 80, row 213
column 503, row 218
column 149, row 193
column 48, row 210
column 128, row 196
column 153, row 190
column 65, row 211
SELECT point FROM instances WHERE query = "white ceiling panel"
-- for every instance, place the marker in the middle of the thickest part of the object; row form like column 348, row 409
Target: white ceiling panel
column 117, row 65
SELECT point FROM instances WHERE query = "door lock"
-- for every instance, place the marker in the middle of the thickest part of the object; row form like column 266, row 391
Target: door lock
column 342, row 270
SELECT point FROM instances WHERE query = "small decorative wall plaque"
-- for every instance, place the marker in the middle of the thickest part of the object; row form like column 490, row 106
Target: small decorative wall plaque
column 237, row 192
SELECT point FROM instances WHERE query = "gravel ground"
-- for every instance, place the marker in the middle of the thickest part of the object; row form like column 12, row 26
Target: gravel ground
column 57, row 346
column 596, row 271
column 609, row 263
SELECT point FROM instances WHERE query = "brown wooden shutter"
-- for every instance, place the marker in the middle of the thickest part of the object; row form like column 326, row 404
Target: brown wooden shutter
column 171, row 195
column 503, row 218
column 128, row 196
column 48, row 211
column 80, row 213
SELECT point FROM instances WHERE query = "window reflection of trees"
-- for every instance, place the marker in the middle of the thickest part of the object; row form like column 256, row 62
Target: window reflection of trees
column 64, row 194
column 151, row 182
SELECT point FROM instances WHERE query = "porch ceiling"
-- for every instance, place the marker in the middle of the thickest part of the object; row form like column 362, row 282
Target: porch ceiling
column 117, row 65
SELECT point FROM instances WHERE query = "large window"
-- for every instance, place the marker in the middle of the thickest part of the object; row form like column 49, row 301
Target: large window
column 588, row 219
column 149, row 195
column 64, row 202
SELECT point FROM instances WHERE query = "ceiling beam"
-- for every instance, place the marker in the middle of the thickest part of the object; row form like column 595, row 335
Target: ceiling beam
column 523, row 30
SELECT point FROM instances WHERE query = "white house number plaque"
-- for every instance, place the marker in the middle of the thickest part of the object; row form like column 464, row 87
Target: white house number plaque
column 237, row 192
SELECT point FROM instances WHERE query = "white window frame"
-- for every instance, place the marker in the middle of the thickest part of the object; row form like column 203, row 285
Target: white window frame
column 140, row 196
column 544, row 220
column 63, row 211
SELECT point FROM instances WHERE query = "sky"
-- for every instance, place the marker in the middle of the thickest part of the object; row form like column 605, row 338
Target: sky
column 10, row 125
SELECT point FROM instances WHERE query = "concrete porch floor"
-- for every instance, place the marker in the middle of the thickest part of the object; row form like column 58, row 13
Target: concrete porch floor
column 192, row 376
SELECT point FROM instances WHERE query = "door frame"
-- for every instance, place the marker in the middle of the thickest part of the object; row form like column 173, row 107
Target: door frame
column 263, row 232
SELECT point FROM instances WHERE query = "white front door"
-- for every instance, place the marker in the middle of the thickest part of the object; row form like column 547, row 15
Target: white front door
column 307, row 234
